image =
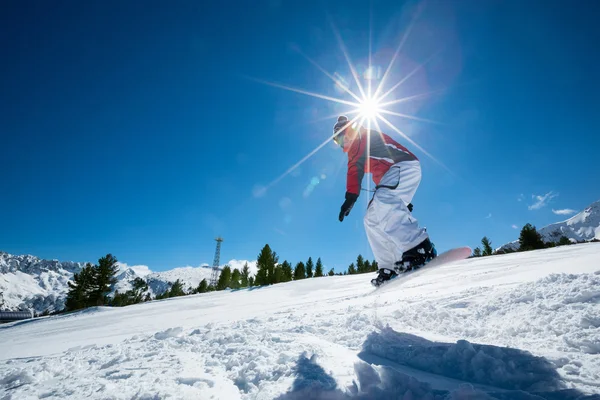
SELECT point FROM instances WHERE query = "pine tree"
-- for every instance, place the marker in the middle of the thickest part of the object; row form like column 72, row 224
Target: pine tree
column 331, row 272
column 133, row 296
column 374, row 266
column 245, row 275
column 368, row 266
column 251, row 281
column 80, row 289
column 272, row 265
column 277, row 274
column 261, row 277
column 177, row 289
column 287, row 273
column 119, row 299
column 564, row 241
column 487, row 246
column 139, row 287
column 351, row 269
column 477, row 252
column 224, row 278
column 266, row 266
column 309, row 268
column 104, row 279
column 360, row 264
column 530, row 239
column 165, row 294
column 299, row 271
column 202, row 286
column 319, row 268
column 235, row 279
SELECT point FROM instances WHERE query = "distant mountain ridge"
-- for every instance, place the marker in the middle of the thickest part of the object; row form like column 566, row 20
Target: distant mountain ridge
column 584, row 226
column 28, row 282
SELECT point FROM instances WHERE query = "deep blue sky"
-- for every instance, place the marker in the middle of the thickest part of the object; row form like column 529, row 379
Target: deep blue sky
column 138, row 129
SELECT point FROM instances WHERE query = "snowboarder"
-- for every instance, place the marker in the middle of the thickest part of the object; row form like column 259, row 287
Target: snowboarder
column 394, row 235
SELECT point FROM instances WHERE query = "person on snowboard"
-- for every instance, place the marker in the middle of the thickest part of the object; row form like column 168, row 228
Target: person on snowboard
column 396, row 240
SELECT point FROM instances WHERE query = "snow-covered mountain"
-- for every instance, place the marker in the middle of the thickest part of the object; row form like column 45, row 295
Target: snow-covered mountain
column 27, row 282
column 581, row 227
column 519, row 326
column 584, row 226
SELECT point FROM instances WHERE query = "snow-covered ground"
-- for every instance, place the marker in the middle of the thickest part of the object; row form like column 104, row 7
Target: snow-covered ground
column 514, row 326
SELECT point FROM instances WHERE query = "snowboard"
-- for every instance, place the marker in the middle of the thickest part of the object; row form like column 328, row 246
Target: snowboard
column 456, row 254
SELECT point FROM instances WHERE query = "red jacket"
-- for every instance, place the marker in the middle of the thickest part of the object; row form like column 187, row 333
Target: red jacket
column 383, row 153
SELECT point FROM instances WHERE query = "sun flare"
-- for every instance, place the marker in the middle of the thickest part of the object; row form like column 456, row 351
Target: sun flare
column 370, row 105
column 369, row 109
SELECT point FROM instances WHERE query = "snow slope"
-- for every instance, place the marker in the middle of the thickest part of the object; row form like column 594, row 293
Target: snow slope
column 584, row 226
column 515, row 326
column 29, row 282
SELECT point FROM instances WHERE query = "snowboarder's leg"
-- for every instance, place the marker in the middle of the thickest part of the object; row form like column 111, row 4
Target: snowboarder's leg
column 390, row 227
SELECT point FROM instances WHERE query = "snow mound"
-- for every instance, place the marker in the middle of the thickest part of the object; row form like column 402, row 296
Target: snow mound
column 504, row 368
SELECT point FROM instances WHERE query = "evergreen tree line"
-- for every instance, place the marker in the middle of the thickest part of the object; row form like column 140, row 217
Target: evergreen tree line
column 360, row 267
column 271, row 271
column 529, row 239
column 93, row 284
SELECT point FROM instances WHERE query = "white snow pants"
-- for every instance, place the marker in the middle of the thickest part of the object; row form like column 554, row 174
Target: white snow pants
column 390, row 227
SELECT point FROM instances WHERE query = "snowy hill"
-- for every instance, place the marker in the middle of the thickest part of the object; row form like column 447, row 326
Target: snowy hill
column 584, row 226
column 29, row 282
column 515, row 326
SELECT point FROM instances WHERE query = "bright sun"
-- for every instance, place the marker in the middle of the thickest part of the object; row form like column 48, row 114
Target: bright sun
column 370, row 106
column 369, row 109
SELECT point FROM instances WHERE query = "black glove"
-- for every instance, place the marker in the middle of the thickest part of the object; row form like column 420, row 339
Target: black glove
column 348, row 204
column 410, row 207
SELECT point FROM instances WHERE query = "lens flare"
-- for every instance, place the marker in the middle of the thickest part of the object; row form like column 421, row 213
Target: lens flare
column 369, row 109
column 369, row 106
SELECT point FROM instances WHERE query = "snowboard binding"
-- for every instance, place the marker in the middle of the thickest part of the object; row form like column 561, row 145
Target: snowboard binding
column 411, row 260
column 384, row 274
column 417, row 256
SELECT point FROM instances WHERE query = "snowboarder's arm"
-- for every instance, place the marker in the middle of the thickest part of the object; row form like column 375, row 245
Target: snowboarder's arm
column 357, row 156
column 347, row 206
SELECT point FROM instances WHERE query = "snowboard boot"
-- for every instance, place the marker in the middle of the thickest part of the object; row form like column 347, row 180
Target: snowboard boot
column 417, row 256
column 384, row 274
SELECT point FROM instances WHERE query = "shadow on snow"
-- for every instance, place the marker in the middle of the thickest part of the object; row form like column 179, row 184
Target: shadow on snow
column 396, row 365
